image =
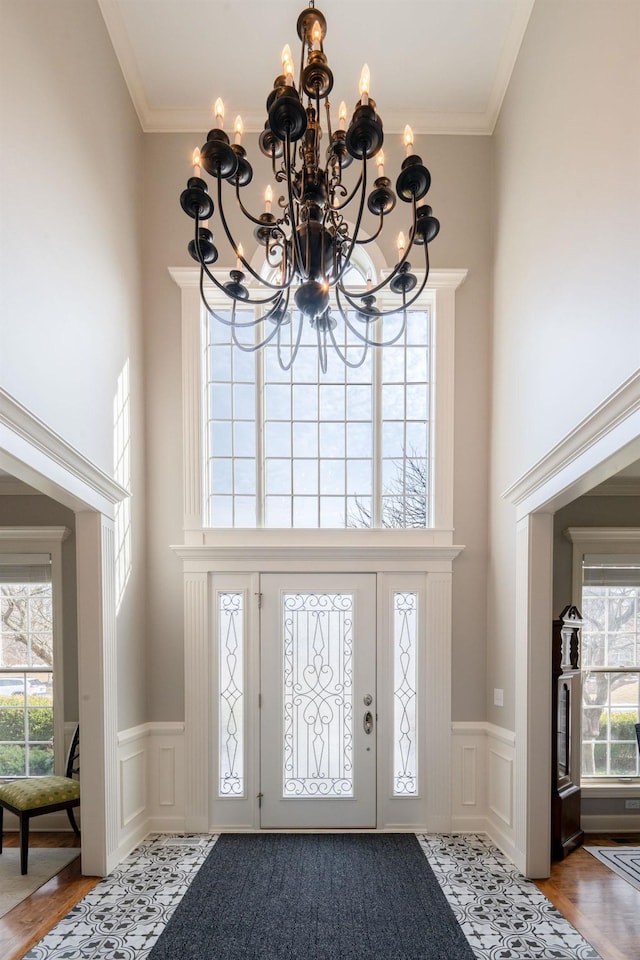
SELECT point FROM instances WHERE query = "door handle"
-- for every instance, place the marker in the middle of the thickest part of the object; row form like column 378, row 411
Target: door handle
column 367, row 722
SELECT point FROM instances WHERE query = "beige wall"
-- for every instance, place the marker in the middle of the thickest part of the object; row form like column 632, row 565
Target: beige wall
column 567, row 258
column 461, row 198
column 70, row 256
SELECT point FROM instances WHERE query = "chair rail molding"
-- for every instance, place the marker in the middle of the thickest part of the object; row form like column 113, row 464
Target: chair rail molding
column 483, row 784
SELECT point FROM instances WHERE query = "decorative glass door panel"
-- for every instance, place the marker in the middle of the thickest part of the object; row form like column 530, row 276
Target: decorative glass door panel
column 318, row 738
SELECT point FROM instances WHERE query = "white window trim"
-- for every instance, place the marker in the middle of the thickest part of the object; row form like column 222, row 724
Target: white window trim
column 602, row 540
column 47, row 540
column 206, row 553
column 439, row 298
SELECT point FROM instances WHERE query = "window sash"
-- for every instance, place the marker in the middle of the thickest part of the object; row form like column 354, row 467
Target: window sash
column 294, row 491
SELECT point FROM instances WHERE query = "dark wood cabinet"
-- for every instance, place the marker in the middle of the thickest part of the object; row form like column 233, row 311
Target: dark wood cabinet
column 566, row 833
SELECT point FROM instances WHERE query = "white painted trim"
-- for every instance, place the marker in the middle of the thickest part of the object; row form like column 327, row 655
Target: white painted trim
column 125, row 53
column 197, row 656
column 439, row 295
column 606, row 441
column 532, row 771
column 507, row 62
column 339, row 557
column 47, row 540
column 591, row 790
column 617, row 823
column 34, row 535
column 482, row 801
column 602, row 444
column 196, row 120
column 97, row 683
column 594, row 539
column 35, row 454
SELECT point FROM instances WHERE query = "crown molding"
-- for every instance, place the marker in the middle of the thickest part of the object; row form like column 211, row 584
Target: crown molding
column 612, row 425
column 602, row 534
column 506, row 64
column 424, row 123
column 114, row 22
column 28, row 440
column 198, row 119
column 35, row 534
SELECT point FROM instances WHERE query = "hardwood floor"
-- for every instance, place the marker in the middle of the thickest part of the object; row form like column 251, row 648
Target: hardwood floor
column 30, row 920
column 604, row 908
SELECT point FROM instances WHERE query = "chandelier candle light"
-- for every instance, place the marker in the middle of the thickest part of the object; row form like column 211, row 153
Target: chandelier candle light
column 308, row 246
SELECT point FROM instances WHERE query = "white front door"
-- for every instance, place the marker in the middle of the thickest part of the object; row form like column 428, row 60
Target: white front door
column 318, row 710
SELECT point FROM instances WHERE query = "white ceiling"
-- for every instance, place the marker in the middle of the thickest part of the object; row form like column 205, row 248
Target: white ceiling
column 441, row 65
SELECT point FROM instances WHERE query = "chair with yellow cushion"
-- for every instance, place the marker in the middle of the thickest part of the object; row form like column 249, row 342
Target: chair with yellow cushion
column 38, row 795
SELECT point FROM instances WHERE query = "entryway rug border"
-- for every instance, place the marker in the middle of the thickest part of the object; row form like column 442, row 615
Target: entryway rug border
column 615, row 859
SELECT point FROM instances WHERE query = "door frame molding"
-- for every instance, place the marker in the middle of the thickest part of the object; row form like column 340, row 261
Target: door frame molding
column 201, row 563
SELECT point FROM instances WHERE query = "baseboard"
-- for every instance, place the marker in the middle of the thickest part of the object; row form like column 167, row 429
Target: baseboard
column 127, row 844
column 504, row 842
column 618, row 823
column 166, row 825
column 468, row 824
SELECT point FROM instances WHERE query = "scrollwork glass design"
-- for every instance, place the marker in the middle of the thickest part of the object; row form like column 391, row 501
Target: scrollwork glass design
column 318, row 695
column 231, row 697
column 405, row 705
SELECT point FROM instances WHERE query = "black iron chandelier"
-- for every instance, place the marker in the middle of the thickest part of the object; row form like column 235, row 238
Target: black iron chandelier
column 308, row 246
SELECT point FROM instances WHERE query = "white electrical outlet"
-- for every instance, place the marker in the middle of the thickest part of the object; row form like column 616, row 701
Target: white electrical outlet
column 498, row 697
column 632, row 804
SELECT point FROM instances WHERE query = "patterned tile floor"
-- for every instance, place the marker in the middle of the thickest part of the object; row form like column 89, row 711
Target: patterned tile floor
column 503, row 916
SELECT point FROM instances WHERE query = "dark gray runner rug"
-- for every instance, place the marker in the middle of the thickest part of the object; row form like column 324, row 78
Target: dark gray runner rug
column 314, row 897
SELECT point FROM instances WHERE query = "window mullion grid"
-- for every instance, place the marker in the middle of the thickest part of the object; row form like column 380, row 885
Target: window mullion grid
column 377, row 414
column 319, row 454
column 405, row 452
column 27, row 751
column 260, row 442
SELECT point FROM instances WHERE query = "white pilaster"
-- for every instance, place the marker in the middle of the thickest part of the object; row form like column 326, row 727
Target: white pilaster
column 97, row 679
column 438, row 696
column 198, row 685
column 532, row 774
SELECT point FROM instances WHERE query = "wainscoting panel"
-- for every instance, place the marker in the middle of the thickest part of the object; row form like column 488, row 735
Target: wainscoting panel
column 483, row 782
column 151, row 778
column 469, row 772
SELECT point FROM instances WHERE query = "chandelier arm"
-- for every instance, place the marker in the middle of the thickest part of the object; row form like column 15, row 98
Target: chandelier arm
column 361, row 243
column 245, row 323
column 385, row 283
column 356, row 229
column 366, row 339
column 252, row 348
column 234, row 247
column 294, row 233
column 294, row 350
column 354, row 364
column 386, row 313
column 244, row 210
column 346, row 203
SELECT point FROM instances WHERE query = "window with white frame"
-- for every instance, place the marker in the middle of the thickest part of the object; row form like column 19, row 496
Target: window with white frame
column 610, row 666
column 351, row 447
column 26, row 665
